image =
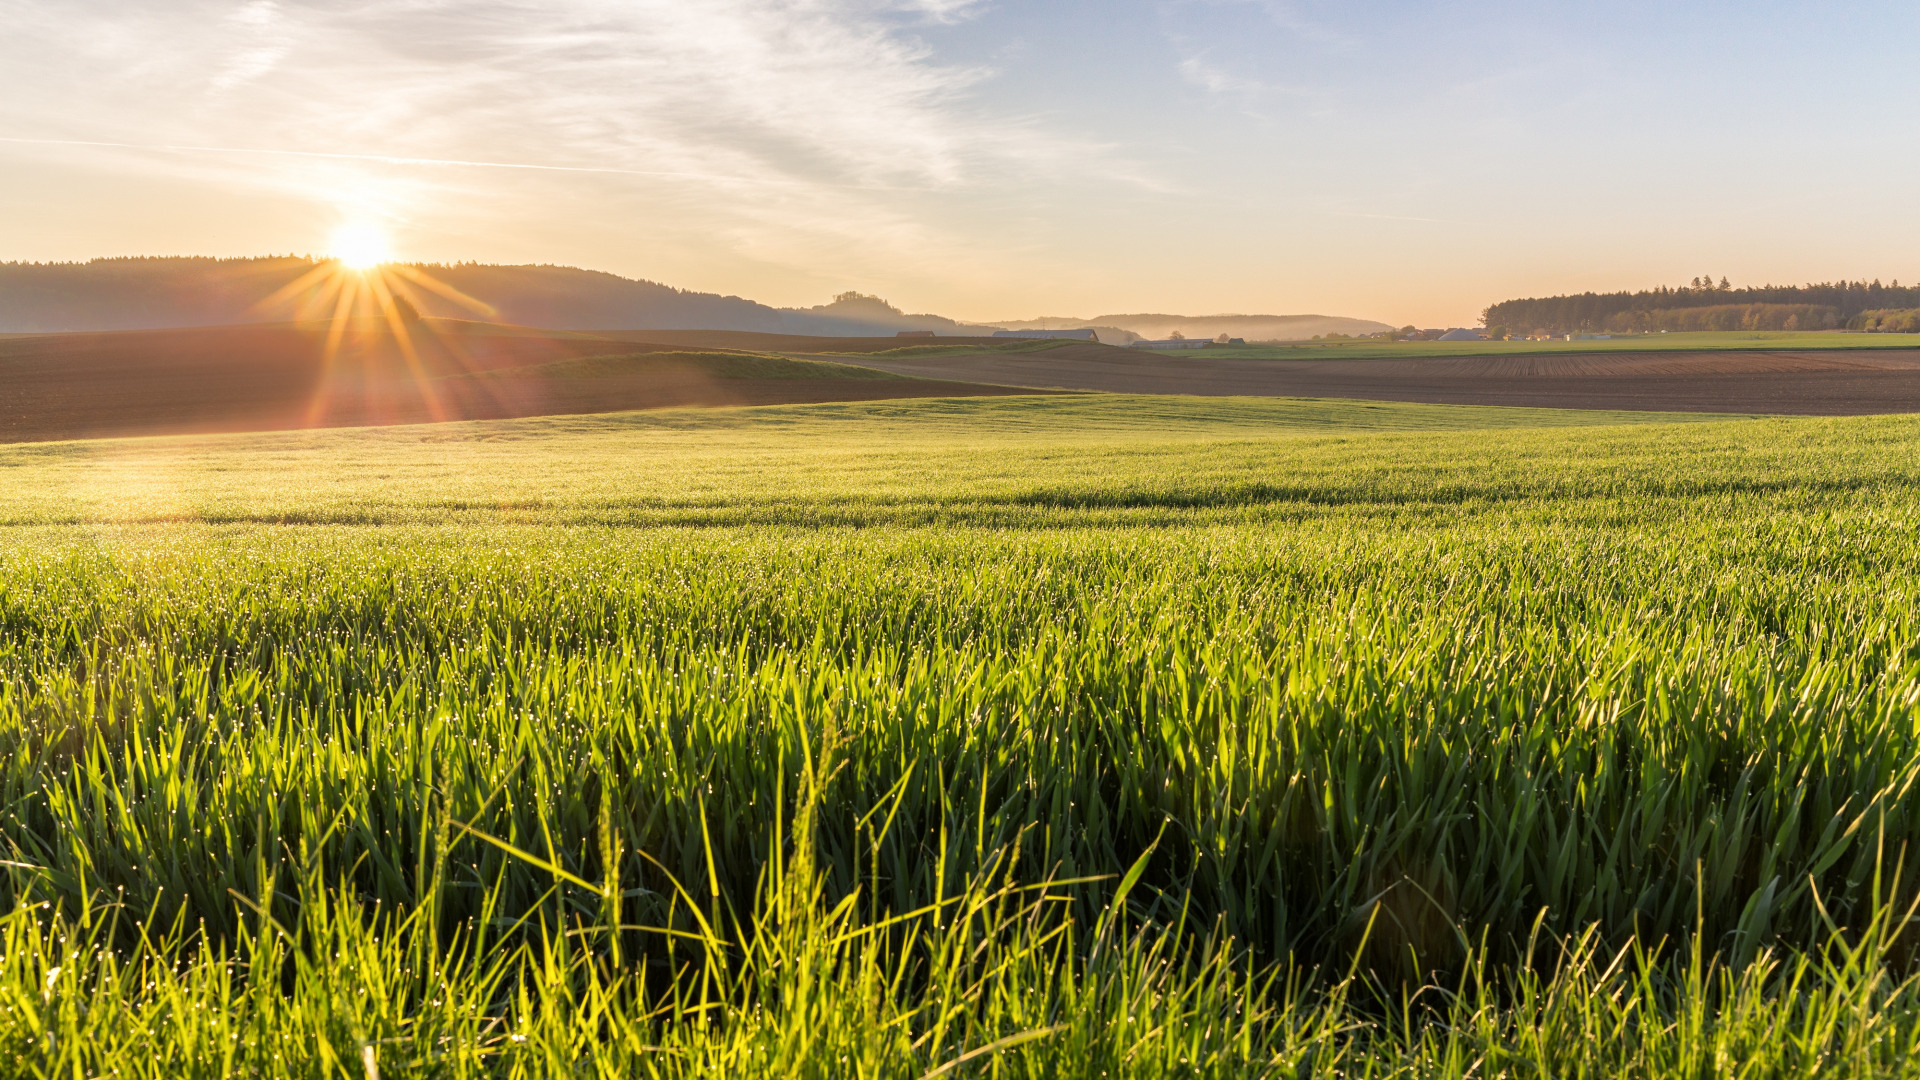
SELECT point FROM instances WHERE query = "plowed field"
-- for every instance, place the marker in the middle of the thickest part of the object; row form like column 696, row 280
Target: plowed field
column 1815, row 382
column 759, row 342
column 259, row 378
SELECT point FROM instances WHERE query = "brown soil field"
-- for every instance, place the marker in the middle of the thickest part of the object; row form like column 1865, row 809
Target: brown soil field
column 786, row 343
column 259, row 378
column 254, row 378
column 1814, row 383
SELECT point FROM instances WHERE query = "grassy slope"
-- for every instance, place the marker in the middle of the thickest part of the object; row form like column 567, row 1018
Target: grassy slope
column 1390, row 683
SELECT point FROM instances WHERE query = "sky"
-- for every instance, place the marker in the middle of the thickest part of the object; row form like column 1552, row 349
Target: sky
column 1401, row 160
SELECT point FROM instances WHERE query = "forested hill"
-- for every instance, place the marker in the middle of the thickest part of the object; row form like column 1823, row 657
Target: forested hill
column 156, row 293
column 1706, row 306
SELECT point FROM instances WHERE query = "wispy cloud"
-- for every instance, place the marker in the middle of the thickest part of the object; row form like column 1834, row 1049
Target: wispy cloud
column 264, row 44
column 834, row 103
column 1257, row 98
column 945, row 11
column 1214, row 79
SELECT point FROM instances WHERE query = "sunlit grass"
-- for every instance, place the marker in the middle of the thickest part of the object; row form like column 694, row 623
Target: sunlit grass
column 1052, row 737
column 1023, row 460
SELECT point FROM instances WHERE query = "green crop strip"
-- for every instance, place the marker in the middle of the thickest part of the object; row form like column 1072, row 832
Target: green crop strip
column 1125, row 738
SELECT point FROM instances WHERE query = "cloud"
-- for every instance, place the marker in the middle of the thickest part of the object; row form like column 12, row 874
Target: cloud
column 1203, row 73
column 263, row 48
column 944, row 11
column 1257, row 99
column 812, row 117
column 830, row 89
column 1301, row 19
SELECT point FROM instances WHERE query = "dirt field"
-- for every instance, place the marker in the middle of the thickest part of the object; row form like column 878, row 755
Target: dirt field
column 251, row 378
column 1807, row 382
column 785, row 343
column 258, row 378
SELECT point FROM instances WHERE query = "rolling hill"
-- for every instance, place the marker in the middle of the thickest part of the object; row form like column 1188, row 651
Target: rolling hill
column 269, row 377
column 165, row 293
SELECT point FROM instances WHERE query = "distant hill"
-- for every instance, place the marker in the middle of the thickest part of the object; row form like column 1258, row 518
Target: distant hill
column 854, row 315
column 168, row 293
column 163, row 293
column 1706, row 306
column 1251, row 327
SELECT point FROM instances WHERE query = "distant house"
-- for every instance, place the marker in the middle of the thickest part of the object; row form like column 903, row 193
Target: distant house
column 914, row 333
column 1070, row 335
column 1462, row 335
column 1172, row 343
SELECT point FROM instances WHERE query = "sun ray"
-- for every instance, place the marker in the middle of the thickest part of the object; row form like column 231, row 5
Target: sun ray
column 483, row 381
column 426, row 281
column 384, row 296
column 330, row 354
column 357, row 285
column 400, row 288
column 321, row 274
column 317, row 301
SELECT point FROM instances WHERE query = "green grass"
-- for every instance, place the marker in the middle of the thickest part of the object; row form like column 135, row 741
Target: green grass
column 1035, row 737
column 1015, row 460
column 1703, row 341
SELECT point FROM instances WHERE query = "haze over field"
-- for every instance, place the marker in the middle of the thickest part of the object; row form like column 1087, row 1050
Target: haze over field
column 155, row 293
column 139, row 294
column 1408, row 162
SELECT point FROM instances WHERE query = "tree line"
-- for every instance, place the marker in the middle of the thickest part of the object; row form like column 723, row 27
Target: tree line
column 1704, row 304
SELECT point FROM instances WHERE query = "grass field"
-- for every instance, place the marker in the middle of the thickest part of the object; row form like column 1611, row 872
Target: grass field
column 1021, row 460
column 1735, row 340
column 1074, row 736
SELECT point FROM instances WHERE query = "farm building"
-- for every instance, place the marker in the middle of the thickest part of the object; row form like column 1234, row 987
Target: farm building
column 1462, row 335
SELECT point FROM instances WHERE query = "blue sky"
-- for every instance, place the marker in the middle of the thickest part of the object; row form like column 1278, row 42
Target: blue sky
column 1405, row 161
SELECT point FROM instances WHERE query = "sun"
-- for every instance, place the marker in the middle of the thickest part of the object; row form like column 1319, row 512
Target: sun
column 360, row 291
column 360, row 246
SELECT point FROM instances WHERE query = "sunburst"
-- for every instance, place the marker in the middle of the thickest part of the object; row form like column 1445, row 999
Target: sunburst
column 359, row 281
column 360, row 246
